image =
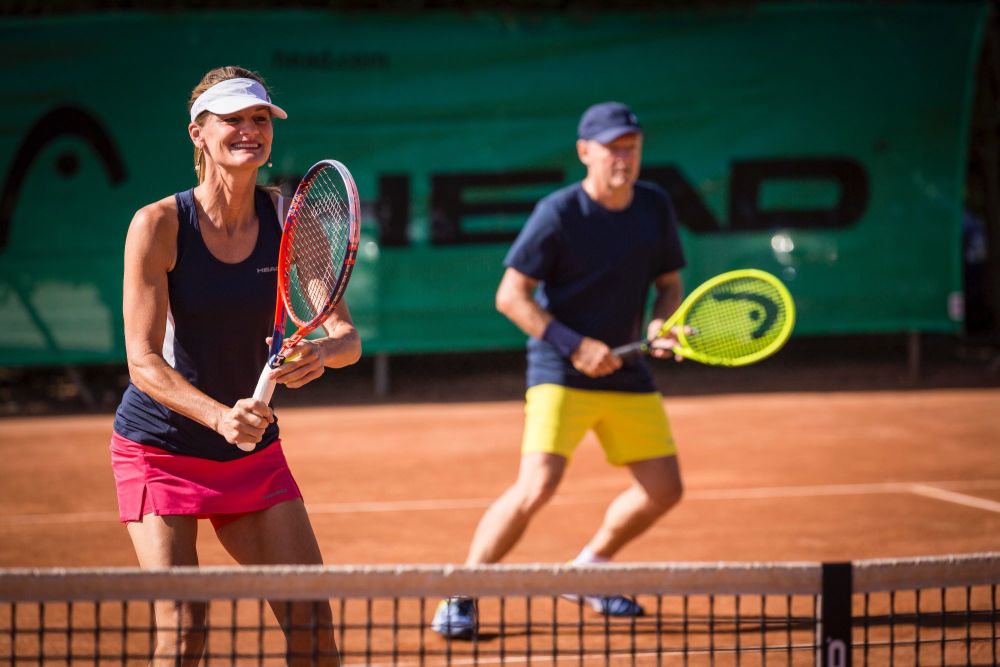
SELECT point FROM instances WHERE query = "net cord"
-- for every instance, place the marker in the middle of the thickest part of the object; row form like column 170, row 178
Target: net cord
column 319, row 582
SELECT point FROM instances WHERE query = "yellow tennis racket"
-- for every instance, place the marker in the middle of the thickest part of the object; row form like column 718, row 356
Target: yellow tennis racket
column 734, row 319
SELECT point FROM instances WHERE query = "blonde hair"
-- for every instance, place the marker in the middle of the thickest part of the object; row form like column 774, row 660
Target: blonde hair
column 211, row 78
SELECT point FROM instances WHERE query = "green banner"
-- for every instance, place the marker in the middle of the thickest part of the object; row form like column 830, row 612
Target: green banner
column 824, row 142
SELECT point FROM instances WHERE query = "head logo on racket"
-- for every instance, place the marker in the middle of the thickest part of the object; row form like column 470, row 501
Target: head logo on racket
column 734, row 319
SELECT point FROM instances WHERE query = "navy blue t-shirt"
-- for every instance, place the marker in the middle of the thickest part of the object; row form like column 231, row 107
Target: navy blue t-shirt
column 595, row 268
column 219, row 316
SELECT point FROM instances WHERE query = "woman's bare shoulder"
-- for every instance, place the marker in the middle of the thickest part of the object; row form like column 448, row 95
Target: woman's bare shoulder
column 157, row 214
column 152, row 233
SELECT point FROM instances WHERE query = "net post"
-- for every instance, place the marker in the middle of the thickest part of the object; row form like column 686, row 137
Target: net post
column 835, row 615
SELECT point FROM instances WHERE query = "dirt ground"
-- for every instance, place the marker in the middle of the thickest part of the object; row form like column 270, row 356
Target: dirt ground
column 833, row 450
column 826, row 452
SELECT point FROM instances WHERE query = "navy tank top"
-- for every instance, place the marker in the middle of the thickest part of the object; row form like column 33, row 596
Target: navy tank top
column 219, row 316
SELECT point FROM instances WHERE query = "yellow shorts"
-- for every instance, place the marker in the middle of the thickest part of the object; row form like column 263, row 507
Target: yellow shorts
column 631, row 427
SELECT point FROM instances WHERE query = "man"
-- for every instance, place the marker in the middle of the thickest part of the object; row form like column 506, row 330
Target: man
column 577, row 280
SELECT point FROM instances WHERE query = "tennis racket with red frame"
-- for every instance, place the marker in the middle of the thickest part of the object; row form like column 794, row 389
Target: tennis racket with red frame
column 319, row 244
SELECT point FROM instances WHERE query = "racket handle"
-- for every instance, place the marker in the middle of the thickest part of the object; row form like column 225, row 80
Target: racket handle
column 638, row 346
column 265, row 385
column 263, row 392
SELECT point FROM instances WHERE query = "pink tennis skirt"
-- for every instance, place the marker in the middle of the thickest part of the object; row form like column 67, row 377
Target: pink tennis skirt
column 151, row 480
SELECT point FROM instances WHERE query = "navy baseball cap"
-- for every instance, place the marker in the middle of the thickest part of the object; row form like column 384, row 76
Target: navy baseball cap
column 606, row 121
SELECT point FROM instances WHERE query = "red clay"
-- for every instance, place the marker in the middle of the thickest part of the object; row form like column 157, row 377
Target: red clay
column 789, row 476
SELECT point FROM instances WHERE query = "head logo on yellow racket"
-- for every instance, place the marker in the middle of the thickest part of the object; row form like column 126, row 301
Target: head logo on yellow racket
column 734, row 319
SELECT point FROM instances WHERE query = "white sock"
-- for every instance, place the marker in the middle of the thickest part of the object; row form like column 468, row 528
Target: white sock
column 587, row 557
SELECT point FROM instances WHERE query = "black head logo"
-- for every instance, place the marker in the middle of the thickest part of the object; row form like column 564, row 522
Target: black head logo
column 57, row 123
column 765, row 318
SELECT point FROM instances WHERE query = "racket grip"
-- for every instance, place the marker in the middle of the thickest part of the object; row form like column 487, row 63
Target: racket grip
column 263, row 392
column 265, row 386
column 638, row 346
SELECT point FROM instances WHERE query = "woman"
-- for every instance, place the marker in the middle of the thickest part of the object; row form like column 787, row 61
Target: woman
column 199, row 289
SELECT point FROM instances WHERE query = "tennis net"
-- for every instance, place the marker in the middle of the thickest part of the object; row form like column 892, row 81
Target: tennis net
column 936, row 610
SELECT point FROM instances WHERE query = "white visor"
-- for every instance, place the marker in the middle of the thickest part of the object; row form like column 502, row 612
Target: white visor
column 234, row 95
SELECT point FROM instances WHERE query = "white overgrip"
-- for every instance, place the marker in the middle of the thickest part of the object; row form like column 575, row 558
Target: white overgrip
column 263, row 392
column 265, row 386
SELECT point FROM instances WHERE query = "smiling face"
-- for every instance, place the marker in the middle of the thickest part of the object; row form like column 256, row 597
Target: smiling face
column 235, row 141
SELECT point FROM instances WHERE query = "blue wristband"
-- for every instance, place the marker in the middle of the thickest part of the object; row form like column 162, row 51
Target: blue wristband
column 561, row 337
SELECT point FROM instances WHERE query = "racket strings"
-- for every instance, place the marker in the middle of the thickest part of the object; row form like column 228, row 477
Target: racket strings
column 319, row 246
column 737, row 319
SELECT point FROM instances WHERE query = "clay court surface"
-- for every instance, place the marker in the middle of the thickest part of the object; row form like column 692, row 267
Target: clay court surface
column 794, row 462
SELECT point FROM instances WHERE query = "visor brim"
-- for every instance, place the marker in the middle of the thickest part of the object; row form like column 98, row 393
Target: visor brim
column 233, row 103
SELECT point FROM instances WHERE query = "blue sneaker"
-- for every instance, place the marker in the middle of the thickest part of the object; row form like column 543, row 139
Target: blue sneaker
column 616, row 605
column 457, row 618
column 612, row 605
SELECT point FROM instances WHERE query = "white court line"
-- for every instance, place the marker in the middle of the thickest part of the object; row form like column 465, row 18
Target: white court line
column 400, row 506
column 952, row 497
column 771, row 492
column 925, row 489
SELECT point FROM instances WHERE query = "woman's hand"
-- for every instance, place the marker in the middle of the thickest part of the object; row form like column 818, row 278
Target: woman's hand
column 303, row 363
column 245, row 422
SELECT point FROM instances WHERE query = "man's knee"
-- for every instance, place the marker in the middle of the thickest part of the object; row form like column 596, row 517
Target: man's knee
column 538, row 480
column 670, row 495
column 663, row 496
column 660, row 481
column 536, row 493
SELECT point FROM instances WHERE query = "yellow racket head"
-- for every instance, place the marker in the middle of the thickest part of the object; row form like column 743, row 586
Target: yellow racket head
column 736, row 318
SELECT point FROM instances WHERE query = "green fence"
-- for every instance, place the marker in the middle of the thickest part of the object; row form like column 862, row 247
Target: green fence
column 824, row 142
